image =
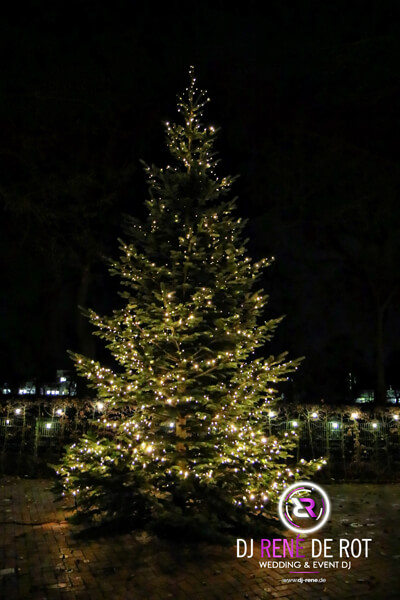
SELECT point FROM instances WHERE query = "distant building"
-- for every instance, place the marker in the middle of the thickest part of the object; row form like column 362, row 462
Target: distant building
column 366, row 396
column 63, row 386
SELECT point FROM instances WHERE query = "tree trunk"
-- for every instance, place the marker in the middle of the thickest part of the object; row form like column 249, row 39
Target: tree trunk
column 181, row 434
column 85, row 338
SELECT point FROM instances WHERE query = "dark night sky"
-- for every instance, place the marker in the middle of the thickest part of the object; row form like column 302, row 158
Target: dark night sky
column 306, row 95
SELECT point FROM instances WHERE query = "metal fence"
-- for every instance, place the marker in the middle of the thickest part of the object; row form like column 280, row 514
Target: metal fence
column 356, row 442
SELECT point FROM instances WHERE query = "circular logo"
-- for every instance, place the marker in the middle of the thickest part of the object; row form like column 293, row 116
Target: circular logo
column 304, row 507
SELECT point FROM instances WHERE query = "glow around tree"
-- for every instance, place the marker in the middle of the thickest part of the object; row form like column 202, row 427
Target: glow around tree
column 183, row 438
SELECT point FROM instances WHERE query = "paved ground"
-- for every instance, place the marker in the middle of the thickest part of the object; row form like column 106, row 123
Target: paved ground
column 41, row 556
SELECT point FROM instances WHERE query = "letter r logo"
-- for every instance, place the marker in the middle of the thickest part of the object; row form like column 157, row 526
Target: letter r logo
column 300, row 511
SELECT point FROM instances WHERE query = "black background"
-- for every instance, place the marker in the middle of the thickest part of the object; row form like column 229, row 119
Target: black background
column 307, row 98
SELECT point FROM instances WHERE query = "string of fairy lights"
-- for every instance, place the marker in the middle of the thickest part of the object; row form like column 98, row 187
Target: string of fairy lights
column 184, row 345
column 98, row 407
column 146, row 451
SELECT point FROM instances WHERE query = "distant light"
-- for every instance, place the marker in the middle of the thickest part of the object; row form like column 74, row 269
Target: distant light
column 314, row 415
column 335, row 425
column 271, row 413
column 7, row 421
column 295, row 424
column 354, row 415
column 48, row 425
column 17, row 411
column 63, row 379
column 100, row 405
column 59, row 411
column 374, row 425
column 396, row 417
column 172, row 424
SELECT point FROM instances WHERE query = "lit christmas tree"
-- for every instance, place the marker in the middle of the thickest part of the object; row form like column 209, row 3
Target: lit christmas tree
column 183, row 436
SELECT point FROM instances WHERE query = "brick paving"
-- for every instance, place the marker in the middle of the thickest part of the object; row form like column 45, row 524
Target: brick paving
column 43, row 558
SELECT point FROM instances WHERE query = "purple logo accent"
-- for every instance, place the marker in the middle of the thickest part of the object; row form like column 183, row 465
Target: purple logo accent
column 310, row 506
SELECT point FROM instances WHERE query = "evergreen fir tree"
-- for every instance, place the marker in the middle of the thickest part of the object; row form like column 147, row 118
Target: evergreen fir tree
column 183, row 436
